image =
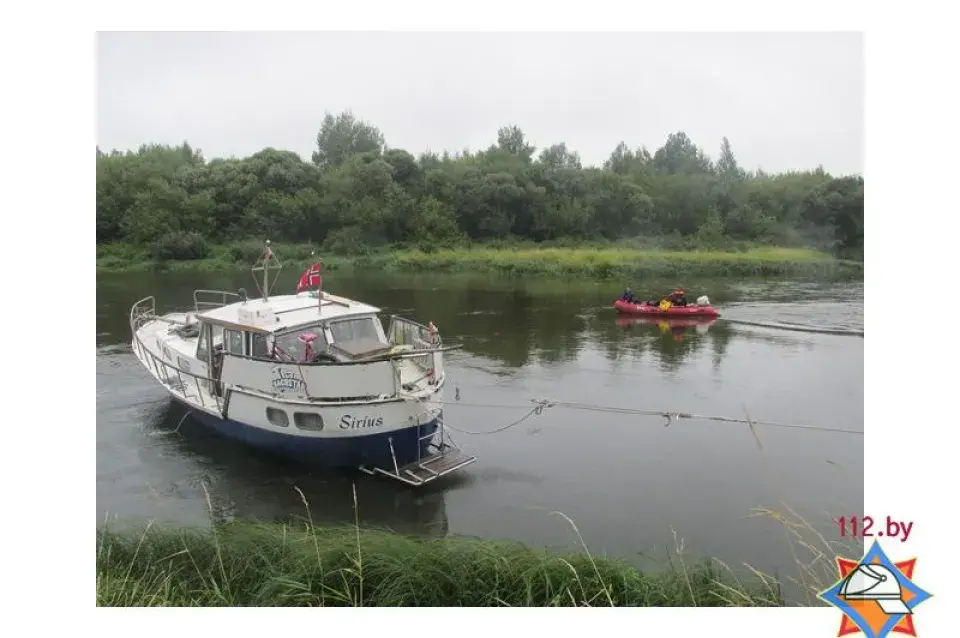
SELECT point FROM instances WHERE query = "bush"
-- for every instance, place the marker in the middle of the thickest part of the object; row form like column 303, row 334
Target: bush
column 347, row 241
column 180, row 246
column 247, row 252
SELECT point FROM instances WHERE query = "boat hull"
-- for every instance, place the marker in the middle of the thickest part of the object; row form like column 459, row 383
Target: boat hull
column 679, row 312
column 409, row 443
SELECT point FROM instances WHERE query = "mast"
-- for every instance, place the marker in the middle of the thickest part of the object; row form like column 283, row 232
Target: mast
column 264, row 263
column 266, row 273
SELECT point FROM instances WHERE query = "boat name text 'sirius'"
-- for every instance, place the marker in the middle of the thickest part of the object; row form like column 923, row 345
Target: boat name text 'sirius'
column 349, row 422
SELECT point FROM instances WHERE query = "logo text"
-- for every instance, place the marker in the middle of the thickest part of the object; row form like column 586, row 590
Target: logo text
column 287, row 381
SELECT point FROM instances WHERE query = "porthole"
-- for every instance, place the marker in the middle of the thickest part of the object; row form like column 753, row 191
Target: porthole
column 308, row 420
column 278, row 417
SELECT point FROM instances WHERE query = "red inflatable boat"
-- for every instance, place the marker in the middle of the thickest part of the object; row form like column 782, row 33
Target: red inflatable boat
column 643, row 310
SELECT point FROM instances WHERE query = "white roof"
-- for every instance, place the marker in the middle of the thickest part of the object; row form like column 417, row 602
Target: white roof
column 284, row 311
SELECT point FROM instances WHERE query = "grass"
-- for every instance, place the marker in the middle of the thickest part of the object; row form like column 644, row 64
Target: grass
column 282, row 564
column 813, row 554
column 250, row 564
column 601, row 262
column 617, row 262
column 285, row 564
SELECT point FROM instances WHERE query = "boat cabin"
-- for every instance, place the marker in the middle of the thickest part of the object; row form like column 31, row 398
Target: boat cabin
column 293, row 328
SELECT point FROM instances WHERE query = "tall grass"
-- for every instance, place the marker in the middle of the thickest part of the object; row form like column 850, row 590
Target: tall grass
column 282, row 564
column 814, row 556
column 257, row 564
column 587, row 261
column 243, row 563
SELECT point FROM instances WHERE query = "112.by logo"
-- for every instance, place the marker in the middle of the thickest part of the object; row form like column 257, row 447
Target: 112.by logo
column 863, row 527
column 876, row 595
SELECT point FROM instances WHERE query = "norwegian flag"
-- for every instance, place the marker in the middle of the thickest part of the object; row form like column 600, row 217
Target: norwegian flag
column 311, row 277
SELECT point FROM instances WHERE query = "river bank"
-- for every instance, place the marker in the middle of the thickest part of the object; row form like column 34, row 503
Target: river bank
column 274, row 564
column 605, row 262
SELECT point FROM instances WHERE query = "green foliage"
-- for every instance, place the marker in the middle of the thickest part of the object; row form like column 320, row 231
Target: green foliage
column 342, row 136
column 668, row 257
column 357, row 195
column 244, row 564
column 347, row 241
column 178, row 245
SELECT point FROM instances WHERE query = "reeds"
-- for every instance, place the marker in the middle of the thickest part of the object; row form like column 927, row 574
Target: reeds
column 282, row 564
column 814, row 556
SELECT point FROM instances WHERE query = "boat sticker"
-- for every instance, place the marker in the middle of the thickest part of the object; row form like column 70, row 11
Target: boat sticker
column 285, row 380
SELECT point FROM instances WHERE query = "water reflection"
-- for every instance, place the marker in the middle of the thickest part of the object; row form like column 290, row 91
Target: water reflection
column 671, row 342
column 513, row 323
column 244, row 483
column 671, row 337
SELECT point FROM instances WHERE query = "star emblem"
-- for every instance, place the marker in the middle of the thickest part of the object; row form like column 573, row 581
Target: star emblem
column 876, row 596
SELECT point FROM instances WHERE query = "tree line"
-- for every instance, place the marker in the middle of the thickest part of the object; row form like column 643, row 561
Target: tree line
column 356, row 194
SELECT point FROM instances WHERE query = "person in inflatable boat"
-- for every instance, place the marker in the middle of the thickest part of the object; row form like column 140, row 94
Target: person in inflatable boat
column 676, row 298
column 628, row 296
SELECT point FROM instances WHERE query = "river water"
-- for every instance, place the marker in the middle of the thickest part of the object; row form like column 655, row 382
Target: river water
column 632, row 486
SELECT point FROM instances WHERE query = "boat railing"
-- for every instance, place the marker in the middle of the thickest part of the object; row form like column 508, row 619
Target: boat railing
column 141, row 312
column 144, row 311
column 405, row 332
column 187, row 384
column 211, row 299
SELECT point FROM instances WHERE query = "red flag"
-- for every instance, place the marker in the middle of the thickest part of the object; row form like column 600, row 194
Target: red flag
column 311, row 277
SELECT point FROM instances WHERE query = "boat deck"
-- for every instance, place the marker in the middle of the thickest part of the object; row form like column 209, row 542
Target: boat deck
column 189, row 387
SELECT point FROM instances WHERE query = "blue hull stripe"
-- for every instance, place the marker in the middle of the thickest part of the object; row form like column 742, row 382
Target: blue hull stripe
column 368, row 449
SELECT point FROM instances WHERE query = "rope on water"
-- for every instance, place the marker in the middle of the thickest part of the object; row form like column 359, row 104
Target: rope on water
column 536, row 410
column 668, row 416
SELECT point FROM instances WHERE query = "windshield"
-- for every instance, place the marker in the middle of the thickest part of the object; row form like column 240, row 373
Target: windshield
column 354, row 330
column 290, row 343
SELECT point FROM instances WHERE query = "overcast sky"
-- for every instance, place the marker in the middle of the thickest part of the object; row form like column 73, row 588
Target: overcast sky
column 785, row 101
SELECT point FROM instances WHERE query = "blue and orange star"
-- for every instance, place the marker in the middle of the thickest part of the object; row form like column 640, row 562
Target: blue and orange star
column 866, row 615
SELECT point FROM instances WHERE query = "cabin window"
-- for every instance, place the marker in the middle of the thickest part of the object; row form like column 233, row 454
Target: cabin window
column 233, row 342
column 290, row 343
column 354, row 330
column 278, row 417
column 258, row 346
column 202, row 344
column 308, row 420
